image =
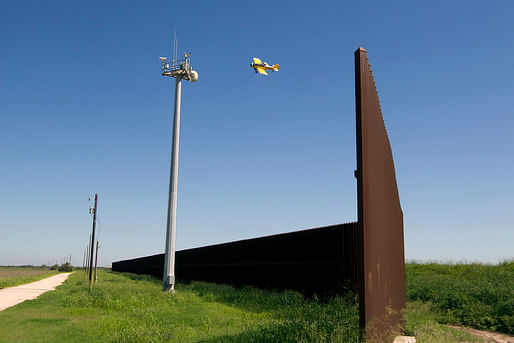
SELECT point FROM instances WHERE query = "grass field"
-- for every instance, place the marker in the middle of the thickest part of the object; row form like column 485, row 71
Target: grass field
column 480, row 296
column 13, row 276
column 132, row 308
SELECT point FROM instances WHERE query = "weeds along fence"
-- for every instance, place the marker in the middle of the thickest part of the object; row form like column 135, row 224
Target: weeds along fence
column 320, row 260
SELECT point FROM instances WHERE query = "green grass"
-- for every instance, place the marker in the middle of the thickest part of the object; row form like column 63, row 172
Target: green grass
column 132, row 308
column 13, row 276
column 421, row 322
column 476, row 295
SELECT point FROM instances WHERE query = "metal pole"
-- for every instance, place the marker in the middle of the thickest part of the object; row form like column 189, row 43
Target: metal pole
column 168, row 282
column 96, row 259
column 87, row 253
column 92, row 243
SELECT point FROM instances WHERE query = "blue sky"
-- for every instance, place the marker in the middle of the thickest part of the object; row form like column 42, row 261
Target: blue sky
column 84, row 109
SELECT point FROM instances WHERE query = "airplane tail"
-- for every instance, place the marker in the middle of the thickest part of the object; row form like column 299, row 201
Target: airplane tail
column 275, row 67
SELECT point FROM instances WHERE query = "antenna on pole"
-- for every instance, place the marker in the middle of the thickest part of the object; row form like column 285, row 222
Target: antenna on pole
column 179, row 69
column 174, row 52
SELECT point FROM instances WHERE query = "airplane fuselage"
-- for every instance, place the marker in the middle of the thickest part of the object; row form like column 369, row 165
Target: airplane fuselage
column 261, row 65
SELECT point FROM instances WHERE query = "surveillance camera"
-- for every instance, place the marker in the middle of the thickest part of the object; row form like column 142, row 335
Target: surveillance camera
column 193, row 76
column 163, row 58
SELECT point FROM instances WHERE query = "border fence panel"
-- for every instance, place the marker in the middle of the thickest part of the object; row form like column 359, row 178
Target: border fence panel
column 319, row 260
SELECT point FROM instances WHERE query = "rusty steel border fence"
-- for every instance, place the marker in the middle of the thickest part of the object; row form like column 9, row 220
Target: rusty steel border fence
column 380, row 217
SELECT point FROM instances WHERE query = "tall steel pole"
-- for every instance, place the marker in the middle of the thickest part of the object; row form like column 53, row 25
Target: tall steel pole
column 92, row 243
column 180, row 69
column 168, row 282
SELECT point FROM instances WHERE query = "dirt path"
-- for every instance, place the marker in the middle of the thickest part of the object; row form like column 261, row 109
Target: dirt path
column 14, row 295
column 492, row 337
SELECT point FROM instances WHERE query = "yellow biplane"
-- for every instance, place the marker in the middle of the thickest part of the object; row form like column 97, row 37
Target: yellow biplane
column 261, row 67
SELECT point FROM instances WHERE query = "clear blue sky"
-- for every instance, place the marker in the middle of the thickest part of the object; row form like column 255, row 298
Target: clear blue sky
column 84, row 109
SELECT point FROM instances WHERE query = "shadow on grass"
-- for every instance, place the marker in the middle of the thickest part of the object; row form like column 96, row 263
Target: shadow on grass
column 136, row 277
column 281, row 316
column 287, row 332
column 292, row 317
column 257, row 300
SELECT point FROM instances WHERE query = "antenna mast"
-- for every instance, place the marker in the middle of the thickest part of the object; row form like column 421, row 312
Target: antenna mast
column 174, row 56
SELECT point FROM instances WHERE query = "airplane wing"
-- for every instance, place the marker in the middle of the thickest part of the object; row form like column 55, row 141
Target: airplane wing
column 261, row 70
column 257, row 61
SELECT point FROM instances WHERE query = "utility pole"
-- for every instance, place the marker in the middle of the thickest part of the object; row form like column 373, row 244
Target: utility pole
column 88, row 249
column 96, row 259
column 87, row 256
column 179, row 69
column 92, row 241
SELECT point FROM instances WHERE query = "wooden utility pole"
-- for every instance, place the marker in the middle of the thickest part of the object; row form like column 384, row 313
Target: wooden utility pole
column 92, row 242
column 88, row 249
column 96, row 259
column 87, row 256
